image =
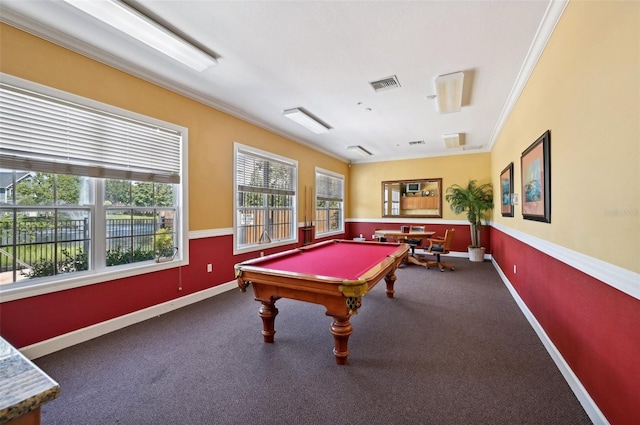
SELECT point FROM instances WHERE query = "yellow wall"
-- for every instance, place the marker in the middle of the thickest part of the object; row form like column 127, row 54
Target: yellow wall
column 366, row 179
column 211, row 132
column 586, row 90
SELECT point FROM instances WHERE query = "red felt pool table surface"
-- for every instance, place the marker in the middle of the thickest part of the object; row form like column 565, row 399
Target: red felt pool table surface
column 339, row 259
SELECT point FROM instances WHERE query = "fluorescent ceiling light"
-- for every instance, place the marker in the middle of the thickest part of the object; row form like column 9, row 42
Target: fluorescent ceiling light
column 453, row 140
column 359, row 150
column 306, row 120
column 142, row 28
column 449, row 92
column 471, row 148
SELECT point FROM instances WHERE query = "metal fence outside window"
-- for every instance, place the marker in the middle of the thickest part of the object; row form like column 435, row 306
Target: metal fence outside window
column 45, row 239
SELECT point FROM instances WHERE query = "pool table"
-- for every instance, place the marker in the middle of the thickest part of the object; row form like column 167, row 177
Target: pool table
column 333, row 273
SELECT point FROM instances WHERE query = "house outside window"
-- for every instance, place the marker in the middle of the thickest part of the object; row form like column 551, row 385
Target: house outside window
column 8, row 182
column 329, row 203
column 88, row 190
column 265, row 199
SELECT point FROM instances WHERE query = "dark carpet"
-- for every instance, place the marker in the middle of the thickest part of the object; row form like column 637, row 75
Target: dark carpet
column 450, row 348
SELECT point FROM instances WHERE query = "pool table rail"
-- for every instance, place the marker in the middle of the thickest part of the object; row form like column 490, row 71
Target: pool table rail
column 246, row 273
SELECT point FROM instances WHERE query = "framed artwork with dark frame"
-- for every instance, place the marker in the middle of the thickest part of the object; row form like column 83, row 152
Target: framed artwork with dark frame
column 506, row 191
column 535, row 169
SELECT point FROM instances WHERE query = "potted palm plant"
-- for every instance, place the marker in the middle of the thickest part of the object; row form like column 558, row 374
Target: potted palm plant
column 476, row 200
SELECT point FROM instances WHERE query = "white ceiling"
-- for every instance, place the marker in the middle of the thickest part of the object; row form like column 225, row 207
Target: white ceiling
column 321, row 56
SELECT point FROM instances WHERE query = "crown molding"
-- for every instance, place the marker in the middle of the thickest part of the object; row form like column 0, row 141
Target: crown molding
column 549, row 21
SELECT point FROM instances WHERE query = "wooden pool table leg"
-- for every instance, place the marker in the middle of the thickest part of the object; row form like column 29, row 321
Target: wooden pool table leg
column 268, row 312
column 390, row 279
column 341, row 330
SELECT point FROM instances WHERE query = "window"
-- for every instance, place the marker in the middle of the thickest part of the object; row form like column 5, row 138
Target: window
column 394, row 191
column 265, row 199
column 86, row 189
column 140, row 221
column 329, row 202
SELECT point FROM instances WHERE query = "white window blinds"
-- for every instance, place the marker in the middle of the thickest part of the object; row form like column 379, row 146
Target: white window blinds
column 257, row 173
column 329, row 187
column 41, row 133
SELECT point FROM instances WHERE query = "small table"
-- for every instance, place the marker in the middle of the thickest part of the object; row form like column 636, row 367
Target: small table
column 400, row 235
column 334, row 273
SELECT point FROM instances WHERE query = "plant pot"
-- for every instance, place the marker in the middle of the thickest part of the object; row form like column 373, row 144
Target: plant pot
column 476, row 254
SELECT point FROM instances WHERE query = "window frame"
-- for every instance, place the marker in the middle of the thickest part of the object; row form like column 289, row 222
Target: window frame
column 241, row 148
column 28, row 287
column 331, row 174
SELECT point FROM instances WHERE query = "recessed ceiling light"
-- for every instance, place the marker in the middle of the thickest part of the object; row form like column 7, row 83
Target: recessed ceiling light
column 306, row 120
column 133, row 23
column 449, row 92
column 453, row 140
column 359, row 150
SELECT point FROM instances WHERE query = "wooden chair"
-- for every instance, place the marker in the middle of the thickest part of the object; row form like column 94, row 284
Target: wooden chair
column 438, row 246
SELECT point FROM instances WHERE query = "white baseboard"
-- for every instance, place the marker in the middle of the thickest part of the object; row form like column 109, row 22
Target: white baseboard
column 81, row 335
column 578, row 389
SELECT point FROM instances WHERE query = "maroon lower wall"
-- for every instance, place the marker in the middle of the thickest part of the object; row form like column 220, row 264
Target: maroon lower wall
column 594, row 326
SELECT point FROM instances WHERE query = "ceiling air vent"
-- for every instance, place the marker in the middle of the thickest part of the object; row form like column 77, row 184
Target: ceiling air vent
column 416, row 142
column 385, row 84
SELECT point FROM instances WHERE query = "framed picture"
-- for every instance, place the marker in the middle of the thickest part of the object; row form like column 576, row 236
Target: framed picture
column 506, row 191
column 535, row 166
